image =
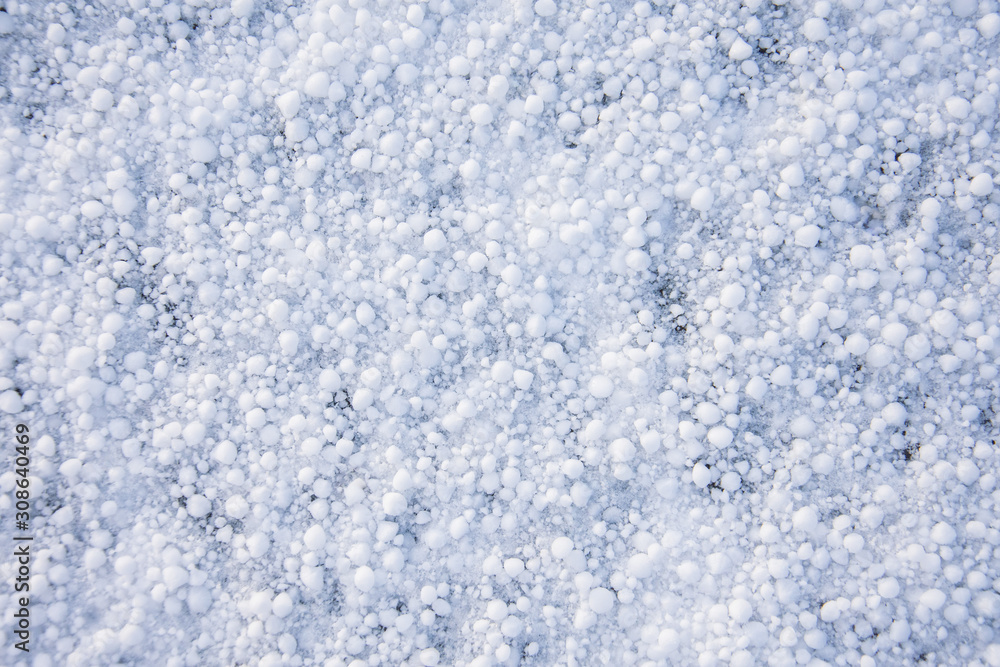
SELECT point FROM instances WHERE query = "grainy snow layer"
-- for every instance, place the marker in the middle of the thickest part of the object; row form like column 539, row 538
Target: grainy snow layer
column 485, row 333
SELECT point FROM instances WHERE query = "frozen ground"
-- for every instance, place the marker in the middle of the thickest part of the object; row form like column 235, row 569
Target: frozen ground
column 493, row 332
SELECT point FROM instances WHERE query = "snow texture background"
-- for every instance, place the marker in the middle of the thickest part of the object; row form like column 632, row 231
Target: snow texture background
column 553, row 333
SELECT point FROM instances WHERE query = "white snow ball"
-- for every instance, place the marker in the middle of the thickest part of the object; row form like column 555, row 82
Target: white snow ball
column 496, row 610
column 843, row 209
column 225, row 452
column 459, row 66
column 237, row 507
column 601, row 600
column 856, row 343
column 601, row 386
column 793, row 175
column 329, row 380
column 513, row 566
column 10, row 402
column 740, row 50
column 732, row 295
column 561, row 547
column 123, row 201
column 55, row 33
column 917, row 347
column 967, row 471
column 944, row 322
column 429, row 657
column 435, row 240
column 502, row 371
column 639, row 566
column 989, row 26
column 481, row 114
column 402, row 480
column 894, row 414
column 894, row 333
column 523, row 379
column 622, row 450
column 80, row 358
column 815, row 29
column 688, row 571
column 317, row 85
column 545, row 8
column 702, row 199
column 943, row 533
column 879, row 355
column 790, row 146
column 289, row 342
column 802, row 426
column 241, row 8
column 289, row 104
column 933, row 599
column 364, row 578
column 740, row 611
column 498, row 87
column 277, row 310
column 391, row 144
column 643, row 48
column 102, row 99
column 394, row 503
column 888, row 587
column 708, row 413
column 174, row 576
column 981, row 185
column 963, row 8
column 256, row 418
column 958, row 107
column 362, row 158
column 202, row 149
column 637, row 260
column 807, row 236
column 314, row 538
column 296, row 130
column 756, row 387
column 194, row 433
column 512, row 275
column 37, row 227
column 805, row 519
column 781, row 376
column 720, row 436
column 701, row 475
column 364, row 314
column 198, row 506
column 282, row 605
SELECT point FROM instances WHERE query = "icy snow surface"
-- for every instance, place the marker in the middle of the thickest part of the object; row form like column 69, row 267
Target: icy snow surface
column 503, row 332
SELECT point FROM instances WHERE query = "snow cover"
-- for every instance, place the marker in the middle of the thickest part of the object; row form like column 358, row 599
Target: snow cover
column 476, row 333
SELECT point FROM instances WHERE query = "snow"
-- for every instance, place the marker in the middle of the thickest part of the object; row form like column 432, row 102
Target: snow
column 548, row 332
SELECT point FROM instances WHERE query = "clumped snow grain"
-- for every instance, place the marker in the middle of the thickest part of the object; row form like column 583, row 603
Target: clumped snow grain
column 546, row 333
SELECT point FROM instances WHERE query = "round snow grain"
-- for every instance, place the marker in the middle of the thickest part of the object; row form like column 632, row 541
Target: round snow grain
column 102, row 99
column 202, row 149
column 601, row 386
column 702, row 199
column 732, row 295
column 393, row 503
column 740, row 50
column 601, row 600
column 545, row 8
column 481, row 114
column 10, row 402
column 241, row 8
column 435, row 240
column 364, row 578
column 289, row 104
